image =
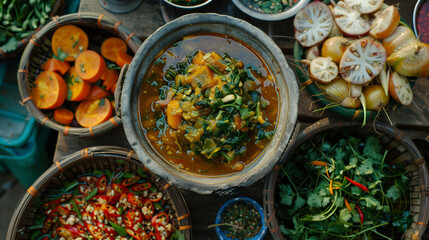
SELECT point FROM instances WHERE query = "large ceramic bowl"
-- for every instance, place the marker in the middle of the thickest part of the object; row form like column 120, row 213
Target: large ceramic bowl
column 287, row 107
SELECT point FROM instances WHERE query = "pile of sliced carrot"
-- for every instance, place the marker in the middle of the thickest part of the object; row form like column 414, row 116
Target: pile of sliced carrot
column 78, row 74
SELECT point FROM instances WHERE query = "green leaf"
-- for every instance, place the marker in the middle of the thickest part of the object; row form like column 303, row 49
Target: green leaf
column 10, row 45
column 365, row 168
column 345, row 216
column 314, row 200
column 371, row 202
column 61, row 55
column 299, row 202
column 102, row 102
column 339, row 202
column 178, row 235
column 393, row 193
column 286, row 194
column 120, row 230
column 352, row 164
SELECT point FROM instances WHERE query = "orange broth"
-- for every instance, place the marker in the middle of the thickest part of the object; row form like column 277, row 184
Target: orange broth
column 166, row 145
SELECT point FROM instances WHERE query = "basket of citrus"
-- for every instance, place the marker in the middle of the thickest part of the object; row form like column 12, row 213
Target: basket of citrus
column 68, row 73
column 355, row 56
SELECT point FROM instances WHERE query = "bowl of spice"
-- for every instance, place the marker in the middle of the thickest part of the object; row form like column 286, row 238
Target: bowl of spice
column 188, row 4
column 421, row 20
column 240, row 218
column 270, row 10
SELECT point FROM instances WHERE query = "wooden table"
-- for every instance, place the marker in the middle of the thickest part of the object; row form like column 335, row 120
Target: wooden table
column 413, row 120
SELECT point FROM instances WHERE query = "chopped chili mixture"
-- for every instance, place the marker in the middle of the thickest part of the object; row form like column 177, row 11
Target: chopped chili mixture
column 423, row 22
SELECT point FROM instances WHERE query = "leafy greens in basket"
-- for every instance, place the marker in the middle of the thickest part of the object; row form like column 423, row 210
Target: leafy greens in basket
column 341, row 187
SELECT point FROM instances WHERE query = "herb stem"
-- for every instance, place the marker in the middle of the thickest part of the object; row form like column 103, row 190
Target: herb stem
column 225, row 224
column 290, row 180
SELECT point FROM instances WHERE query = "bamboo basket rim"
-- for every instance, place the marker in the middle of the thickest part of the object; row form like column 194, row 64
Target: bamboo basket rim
column 56, row 8
column 129, row 157
column 98, row 21
column 333, row 123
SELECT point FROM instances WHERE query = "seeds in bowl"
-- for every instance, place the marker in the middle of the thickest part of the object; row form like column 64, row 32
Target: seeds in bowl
column 240, row 221
column 208, row 104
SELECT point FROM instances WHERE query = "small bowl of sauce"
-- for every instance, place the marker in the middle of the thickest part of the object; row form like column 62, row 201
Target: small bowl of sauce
column 421, row 20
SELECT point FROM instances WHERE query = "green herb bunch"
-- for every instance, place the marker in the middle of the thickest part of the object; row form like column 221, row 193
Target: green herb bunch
column 19, row 18
column 341, row 187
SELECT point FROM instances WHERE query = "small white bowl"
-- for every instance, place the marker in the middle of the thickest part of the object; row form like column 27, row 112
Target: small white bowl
column 188, row 7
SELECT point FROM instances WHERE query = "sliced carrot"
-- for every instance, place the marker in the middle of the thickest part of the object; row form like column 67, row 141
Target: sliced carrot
column 111, row 47
column 92, row 113
column 63, row 116
column 49, row 90
column 174, row 114
column 77, row 88
column 109, row 77
column 68, row 41
column 198, row 59
column 113, row 89
column 123, row 58
column 90, row 66
column 96, row 93
column 56, row 65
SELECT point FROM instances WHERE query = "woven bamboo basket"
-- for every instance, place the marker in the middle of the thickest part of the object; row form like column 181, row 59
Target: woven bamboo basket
column 85, row 161
column 39, row 50
column 57, row 9
column 401, row 149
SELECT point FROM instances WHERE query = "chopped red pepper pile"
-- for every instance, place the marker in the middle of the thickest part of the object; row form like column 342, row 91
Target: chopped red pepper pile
column 106, row 205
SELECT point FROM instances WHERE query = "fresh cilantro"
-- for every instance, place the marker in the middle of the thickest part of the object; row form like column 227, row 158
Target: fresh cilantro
column 61, row 55
column 325, row 215
column 102, row 102
column 393, row 193
column 10, row 45
column 365, row 168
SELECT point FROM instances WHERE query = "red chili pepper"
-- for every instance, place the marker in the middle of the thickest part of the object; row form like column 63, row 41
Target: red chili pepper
column 141, row 187
column 360, row 214
column 130, row 181
column 135, row 200
column 318, row 163
column 359, row 185
column 161, row 217
column 102, row 184
column 147, row 209
column 132, row 233
column 347, row 205
column 47, row 224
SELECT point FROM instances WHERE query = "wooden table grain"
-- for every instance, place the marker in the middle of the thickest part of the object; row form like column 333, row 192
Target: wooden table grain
column 413, row 119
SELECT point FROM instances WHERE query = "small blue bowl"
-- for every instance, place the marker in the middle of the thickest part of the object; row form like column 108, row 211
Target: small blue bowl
column 221, row 235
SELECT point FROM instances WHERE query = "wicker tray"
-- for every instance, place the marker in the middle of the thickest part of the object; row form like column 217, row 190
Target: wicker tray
column 39, row 50
column 85, row 161
column 401, row 149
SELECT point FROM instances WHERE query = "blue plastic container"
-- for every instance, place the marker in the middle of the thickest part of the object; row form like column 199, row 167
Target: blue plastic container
column 16, row 123
column 30, row 160
column 221, row 235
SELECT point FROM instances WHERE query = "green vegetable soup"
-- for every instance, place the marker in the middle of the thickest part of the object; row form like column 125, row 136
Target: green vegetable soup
column 208, row 104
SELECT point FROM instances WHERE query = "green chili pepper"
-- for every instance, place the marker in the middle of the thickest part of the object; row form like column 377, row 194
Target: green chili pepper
column 91, row 195
column 76, row 208
column 120, row 230
column 71, row 185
